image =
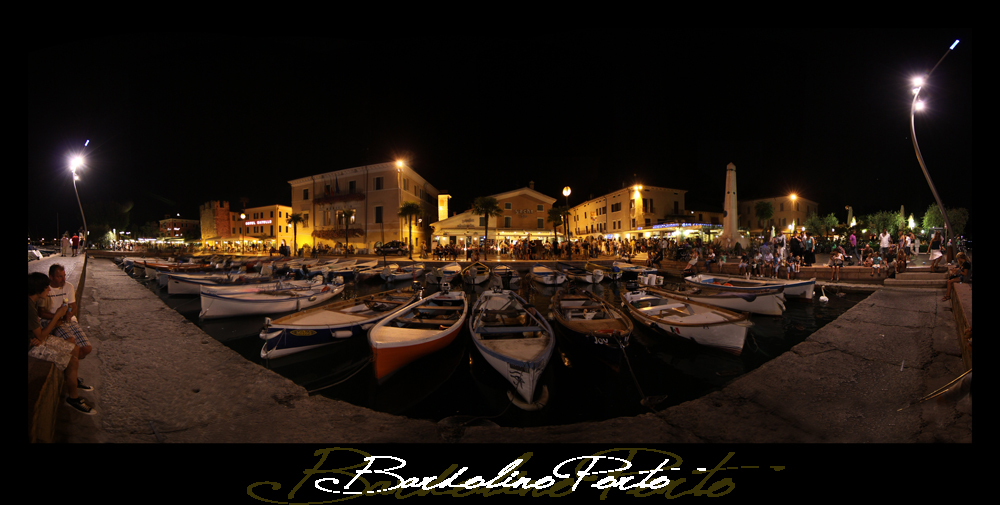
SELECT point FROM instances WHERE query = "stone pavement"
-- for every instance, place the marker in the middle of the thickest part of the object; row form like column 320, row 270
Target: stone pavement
column 160, row 379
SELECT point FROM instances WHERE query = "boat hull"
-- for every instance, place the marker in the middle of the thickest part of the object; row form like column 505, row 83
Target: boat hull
column 219, row 305
column 598, row 326
column 790, row 288
column 547, row 276
column 515, row 343
column 317, row 327
column 702, row 324
column 394, row 346
column 443, row 274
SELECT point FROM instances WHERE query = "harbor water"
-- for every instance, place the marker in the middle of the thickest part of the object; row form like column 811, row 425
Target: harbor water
column 654, row 372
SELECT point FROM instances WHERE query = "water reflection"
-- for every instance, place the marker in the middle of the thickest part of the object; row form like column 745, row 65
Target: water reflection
column 657, row 368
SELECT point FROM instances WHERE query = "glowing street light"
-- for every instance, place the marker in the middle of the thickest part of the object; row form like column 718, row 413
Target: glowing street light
column 918, row 105
column 566, row 192
column 76, row 163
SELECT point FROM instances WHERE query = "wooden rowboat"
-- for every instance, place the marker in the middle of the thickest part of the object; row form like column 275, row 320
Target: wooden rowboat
column 476, row 273
column 592, row 319
column 700, row 323
column 515, row 340
column 418, row 329
column 330, row 323
column 792, row 288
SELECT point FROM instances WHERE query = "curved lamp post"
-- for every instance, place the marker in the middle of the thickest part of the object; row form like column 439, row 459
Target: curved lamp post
column 75, row 163
column 915, row 106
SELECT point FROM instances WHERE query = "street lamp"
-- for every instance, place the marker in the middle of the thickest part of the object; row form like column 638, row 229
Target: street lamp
column 566, row 192
column 75, row 163
column 916, row 105
column 243, row 240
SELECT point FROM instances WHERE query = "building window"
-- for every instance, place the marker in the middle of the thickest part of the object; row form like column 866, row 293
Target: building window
column 539, row 208
column 378, row 183
column 305, row 194
column 482, row 221
column 506, row 205
column 378, row 213
column 406, row 184
column 541, row 223
column 506, row 221
column 352, row 186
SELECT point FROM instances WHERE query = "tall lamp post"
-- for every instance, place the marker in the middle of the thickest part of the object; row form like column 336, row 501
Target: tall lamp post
column 243, row 240
column 75, row 163
column 918, row 105
column 566, row 192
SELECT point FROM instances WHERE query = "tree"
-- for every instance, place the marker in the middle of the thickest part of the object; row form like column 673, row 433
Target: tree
column 409, row 210
column 885, row 220
column 958, row 217
column 487, row 207
column 764, row 210
column 556, row 217
column 816, row 223
column 105, row 216
column 295, row 219
column 348, row 216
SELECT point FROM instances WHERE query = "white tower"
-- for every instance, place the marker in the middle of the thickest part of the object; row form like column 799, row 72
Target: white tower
column 730, row 234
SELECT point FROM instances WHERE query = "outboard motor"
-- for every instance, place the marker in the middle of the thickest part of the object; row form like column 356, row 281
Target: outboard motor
column 505, row 280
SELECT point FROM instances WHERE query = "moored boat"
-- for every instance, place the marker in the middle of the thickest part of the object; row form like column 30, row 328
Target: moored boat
column 503, row 273
column 445, row 273
column 701, row 323
column 547, row 275
column 406, row 272
column 287, row 296
column 793, row 288
column 476, row 273
column 768, row 303
column 515, row 340
column 630, row 271
column 191, row 283
column 418, row 329
column 578, row 274
column 327, row 324
column 592, row 319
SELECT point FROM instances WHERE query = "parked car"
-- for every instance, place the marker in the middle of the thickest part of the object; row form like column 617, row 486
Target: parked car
column 394, row 247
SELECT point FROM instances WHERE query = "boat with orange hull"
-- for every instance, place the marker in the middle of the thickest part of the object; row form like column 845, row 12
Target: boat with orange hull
column 421, row 328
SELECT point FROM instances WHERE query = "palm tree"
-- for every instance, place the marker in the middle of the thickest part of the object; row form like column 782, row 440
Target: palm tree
column 295, row 220
column 487, row 207
column 409, row 210
column 763, row 210
column 556, row 218
column 348, row 215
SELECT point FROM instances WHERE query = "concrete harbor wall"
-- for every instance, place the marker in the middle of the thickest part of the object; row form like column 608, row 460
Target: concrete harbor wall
column 160, row 379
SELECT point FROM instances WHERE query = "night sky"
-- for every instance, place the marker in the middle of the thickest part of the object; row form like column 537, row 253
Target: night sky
column 176, row 120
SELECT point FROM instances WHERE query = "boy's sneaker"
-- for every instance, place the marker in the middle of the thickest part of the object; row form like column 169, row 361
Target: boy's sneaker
column 81, row 386
column 81, row 405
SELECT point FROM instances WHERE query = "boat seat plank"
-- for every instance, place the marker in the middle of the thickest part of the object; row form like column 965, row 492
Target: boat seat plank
column 501, row 312
column 659, row 308
column 507, row 329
